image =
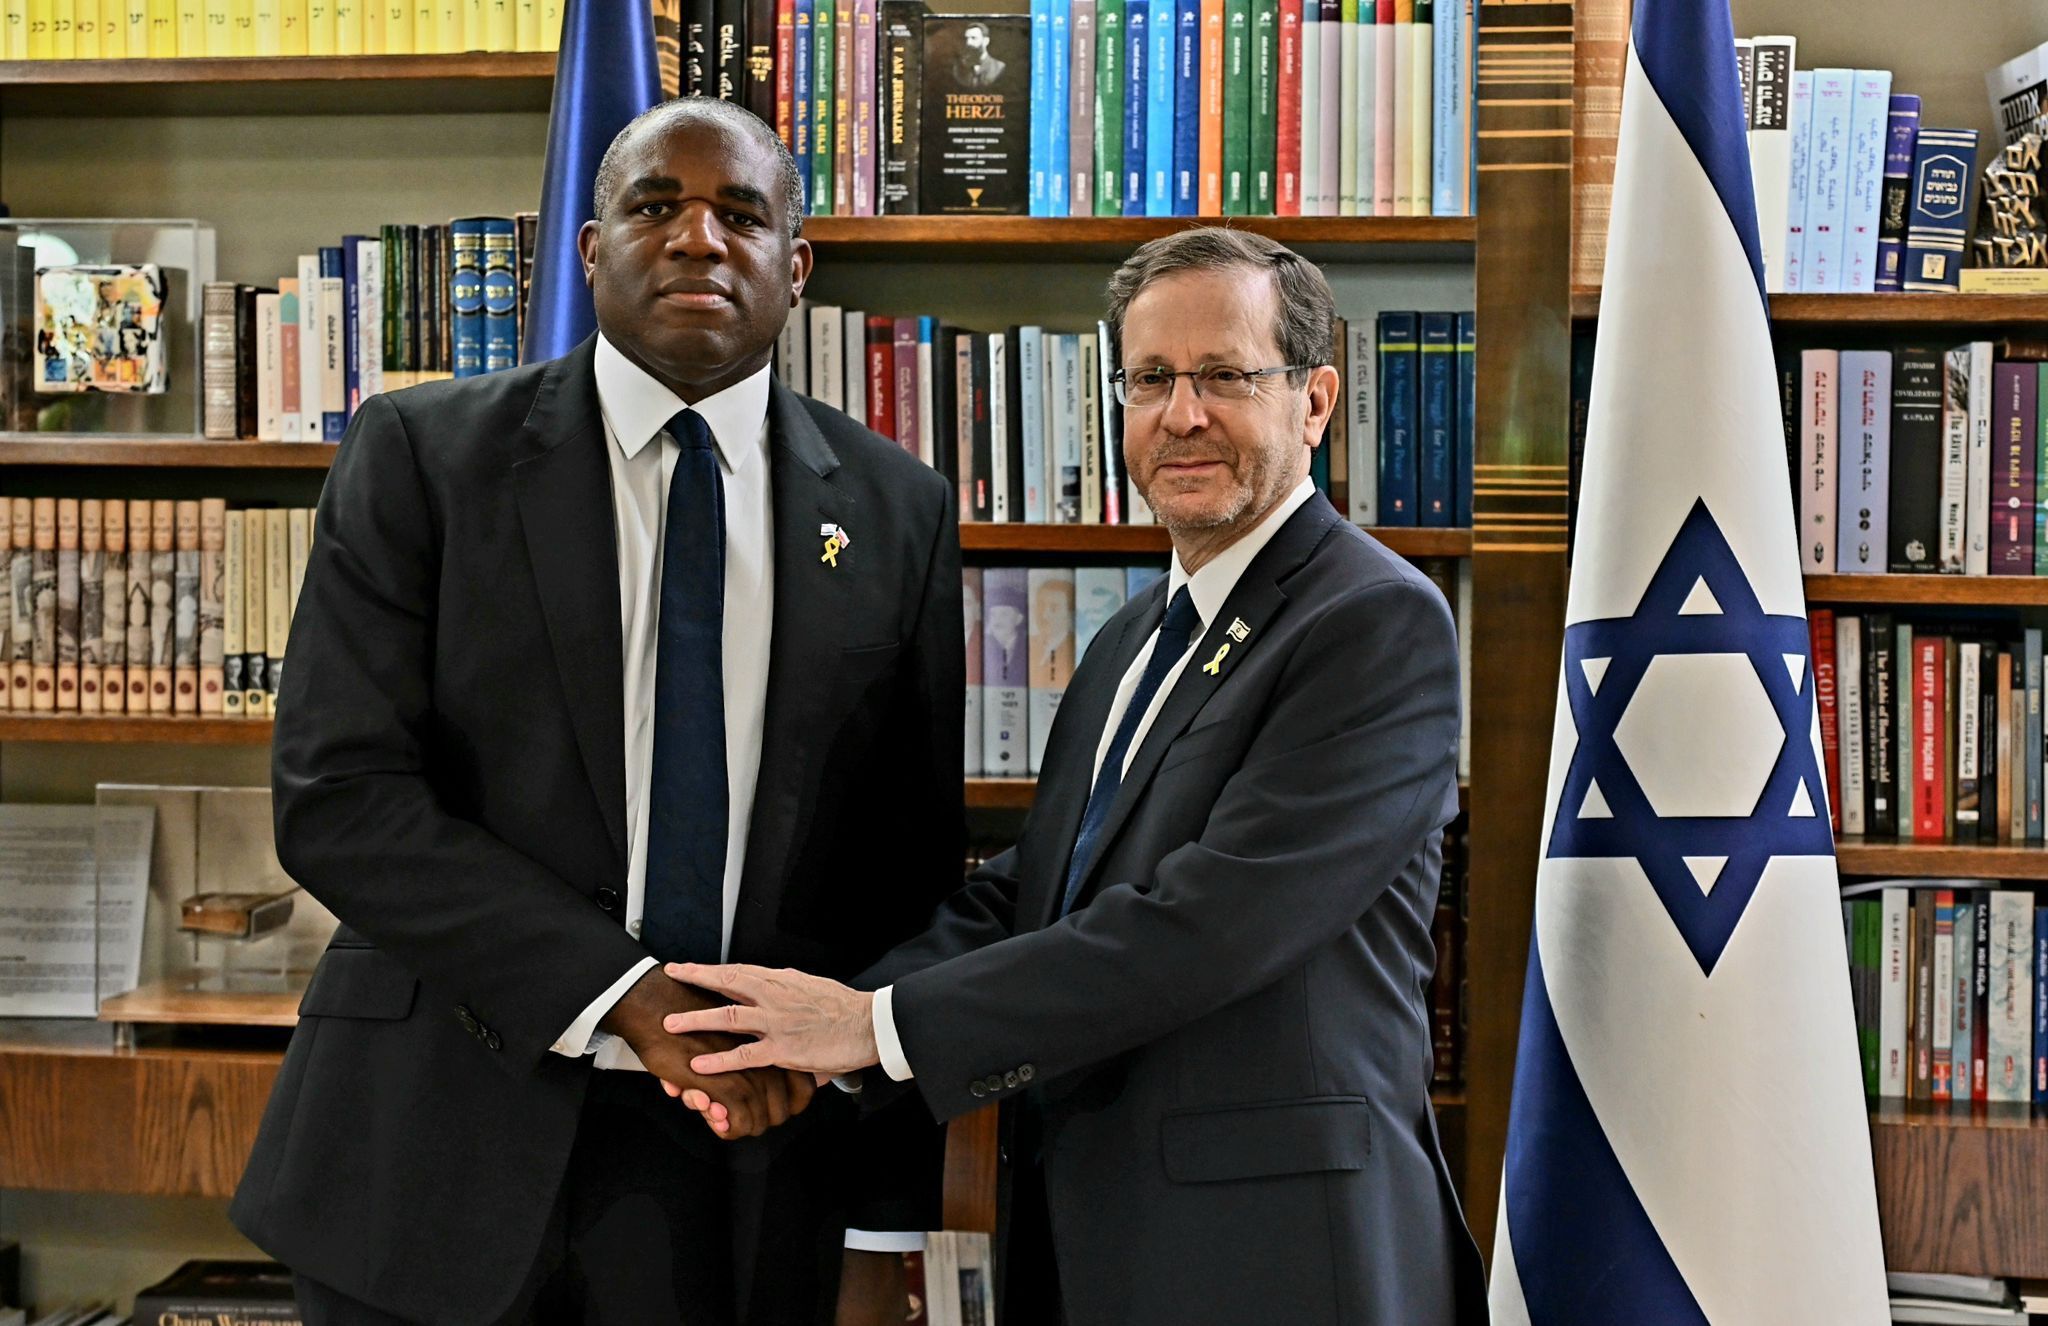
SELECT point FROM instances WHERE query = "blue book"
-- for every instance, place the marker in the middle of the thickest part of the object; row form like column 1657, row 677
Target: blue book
column 1451, row 39
column 1468, row 409
column 1827, row 181
column 1187, row 105
column 1098, row 594
column 1795, row 196
column 1902, row 127
column 1028, row 345
column 352, row 322
column 1137, row 577
column 2040, row 1064
column 800, row 102
column 501, row 294
column 1398, row 344
column 1436, row 434
column 1061, row 58
column 1938, row 219
column 334, row 267
column 1042, row 116
column 466, row 296
column 1137, row 91
column 1159, row 112
column 1864, row 483
column 1869, row 118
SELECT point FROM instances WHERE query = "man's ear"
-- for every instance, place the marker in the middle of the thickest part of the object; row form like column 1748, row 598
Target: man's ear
column 800, row 260
column 586, row 248
column 1322, row 403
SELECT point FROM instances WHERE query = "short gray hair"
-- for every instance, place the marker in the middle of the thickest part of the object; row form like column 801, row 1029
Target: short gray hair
column 666, row 115
column 1307, row 311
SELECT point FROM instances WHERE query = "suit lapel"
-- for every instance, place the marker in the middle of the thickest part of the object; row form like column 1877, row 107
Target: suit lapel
column 1238, row 629
column 804, row 644
column 564, row 492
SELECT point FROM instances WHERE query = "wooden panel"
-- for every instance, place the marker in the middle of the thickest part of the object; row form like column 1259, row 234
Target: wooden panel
column 300, row 85
column 183, row 452
column 970, row 1192
column 1859, row 856
column 1965, row 1195
column 1994, row 591
column 1111, row 239
column 140, row 728
column 2013, row 311
column 1600, row 59
column 1019, row 537
column 165, row 1003
column 159, row 1122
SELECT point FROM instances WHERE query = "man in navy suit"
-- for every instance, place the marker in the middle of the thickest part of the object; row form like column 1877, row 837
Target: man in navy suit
column 1197, row 983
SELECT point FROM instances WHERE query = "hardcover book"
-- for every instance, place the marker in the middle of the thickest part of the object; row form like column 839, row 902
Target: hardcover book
column 976, row 115
column 1901, row 130
column 1938, row 220
column 1006, row 675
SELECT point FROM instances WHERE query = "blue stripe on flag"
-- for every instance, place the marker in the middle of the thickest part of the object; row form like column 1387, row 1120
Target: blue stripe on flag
column 1687, row 50
column 1585, row 1251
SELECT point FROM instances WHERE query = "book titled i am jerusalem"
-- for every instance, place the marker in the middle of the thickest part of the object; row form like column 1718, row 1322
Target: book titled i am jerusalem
column 976, row 122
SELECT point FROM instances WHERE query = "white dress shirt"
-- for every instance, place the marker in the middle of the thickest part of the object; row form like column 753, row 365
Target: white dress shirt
column 1209, row 588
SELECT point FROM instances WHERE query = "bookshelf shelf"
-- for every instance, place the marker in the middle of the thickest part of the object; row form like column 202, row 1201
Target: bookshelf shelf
column 1018, row 793
column 357, row 85
column 1926, row 309
column 1963, row 1193
column 1985, row 591
column 135, row 729
column 189, row 453
column 1018, row 537
column 1111, row 238
column 1861, row 856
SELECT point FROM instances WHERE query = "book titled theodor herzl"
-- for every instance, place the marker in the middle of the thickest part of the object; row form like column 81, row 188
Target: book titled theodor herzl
column 220, row 1293
column 975, row 135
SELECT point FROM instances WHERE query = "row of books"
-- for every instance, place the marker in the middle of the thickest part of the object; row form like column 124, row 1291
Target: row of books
column 1124, row 107
column 1026, row 420
column 1950, row 988
column 158, row 29
column 1929, row 734
column 1919, row 459
column 148, row 607
column 294, row 361
column 1448, row 981
column 1852, row 192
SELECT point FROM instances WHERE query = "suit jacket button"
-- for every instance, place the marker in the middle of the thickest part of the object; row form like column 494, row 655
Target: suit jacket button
column 608, row 899
column 1026, row 1072
column 491, row 1041
column 1011, row 1079
column 466, row 1018
column 995, row 1081
column 976, row 1090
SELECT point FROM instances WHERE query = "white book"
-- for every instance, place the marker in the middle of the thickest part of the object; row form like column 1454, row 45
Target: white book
column 370, row 319
column 1064, row 385
column 1311, row 116
column 1827, row 180
column 1404, row 112
column 1770, row 149
column 269, row 370
column 2008, row 1040
column 1331, row 108
column 311, row 397
column 942, row 1280
column 1087, row 352
column 927, row 426
column 1864, row 437
column 1421, row 114
column 1050, row 592
column 1031, row 421
column 1969, row 739
column 1359, row 360
column 1005, row 672
column 1098, row 594
column 1849, row 696
column 828, row 383
column 790, row 358
column 1349, row 125
column 853, row 363
column 1893, row 981
column 1383, row 90
column 333, row 351
column 1977, row 551
column 1955, row 457
column 999, row 426
column 1360, row 108
column 1795, row 198
column 1819, row 375
column 1870, row 101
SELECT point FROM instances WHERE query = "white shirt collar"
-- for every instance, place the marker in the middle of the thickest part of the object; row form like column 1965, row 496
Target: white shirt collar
column 1211, row 585
column 637, row 407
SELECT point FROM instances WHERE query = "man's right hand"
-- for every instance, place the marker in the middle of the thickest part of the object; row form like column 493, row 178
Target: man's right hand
column 735, row 1105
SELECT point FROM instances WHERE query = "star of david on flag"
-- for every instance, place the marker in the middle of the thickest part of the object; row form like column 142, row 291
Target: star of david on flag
column 1687, row 1141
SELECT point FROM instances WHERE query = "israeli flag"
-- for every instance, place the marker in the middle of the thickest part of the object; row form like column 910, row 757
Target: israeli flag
column 1688, row 1141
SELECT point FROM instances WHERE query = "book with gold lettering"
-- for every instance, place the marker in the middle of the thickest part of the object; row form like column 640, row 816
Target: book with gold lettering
column 277, row 601
column 114, row 612
column 221, row 1293
column 975, row 123
column 255, row 618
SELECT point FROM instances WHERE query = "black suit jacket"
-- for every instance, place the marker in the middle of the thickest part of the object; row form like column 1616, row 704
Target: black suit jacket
column 449, row 771
column 1223, row 1054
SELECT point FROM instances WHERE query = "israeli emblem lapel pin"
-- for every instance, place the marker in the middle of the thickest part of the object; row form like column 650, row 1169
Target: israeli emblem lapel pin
column 836, row 542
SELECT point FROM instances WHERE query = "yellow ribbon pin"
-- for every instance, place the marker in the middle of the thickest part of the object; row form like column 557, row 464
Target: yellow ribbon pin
column 1214, row 667
column 832, row 546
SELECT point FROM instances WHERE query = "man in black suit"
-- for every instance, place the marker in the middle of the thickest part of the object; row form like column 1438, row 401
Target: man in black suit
column 1197, row 984
column 619, row 658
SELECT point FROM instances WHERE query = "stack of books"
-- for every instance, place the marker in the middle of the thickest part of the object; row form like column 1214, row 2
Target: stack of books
column 162, row 29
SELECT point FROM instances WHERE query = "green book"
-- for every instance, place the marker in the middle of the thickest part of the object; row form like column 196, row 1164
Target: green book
column 1237, row 107
column 392, row 250
column 1264, row 107
column 1109, row 107
column 822, row 127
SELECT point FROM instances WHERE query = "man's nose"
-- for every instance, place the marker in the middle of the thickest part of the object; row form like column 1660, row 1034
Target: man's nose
column 1185, row 411
column 697, row 232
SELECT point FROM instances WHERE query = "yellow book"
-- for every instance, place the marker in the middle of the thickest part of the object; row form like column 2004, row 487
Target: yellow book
column 191, row 29
column 220, row 28
column 268, row 30
column 255, row 612
column 161, row 25
column 134, row 29
column 277, row 598
column 291, row 21
column 320, row 27
column 475, row 26
column 85, row 30
column 64, row 30
column 551, row 25
column 373, row 26
column 448, row 27
column 348, row 26
column 500, row 26
column 243, row 13
column 14, row 14
column 425, row 23
column 398, row 35
column 42, row 43
column 526, row 25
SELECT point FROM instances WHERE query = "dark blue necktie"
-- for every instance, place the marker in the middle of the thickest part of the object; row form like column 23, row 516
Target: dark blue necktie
column 1181, row 621
column 684, row 913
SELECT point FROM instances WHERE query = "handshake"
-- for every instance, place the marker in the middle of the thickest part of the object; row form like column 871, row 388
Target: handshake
column 746, row 1047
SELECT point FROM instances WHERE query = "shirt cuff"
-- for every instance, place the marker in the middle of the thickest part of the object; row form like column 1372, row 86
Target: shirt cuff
column 583, row 1037
column 888, row 1045
column 884, row 1240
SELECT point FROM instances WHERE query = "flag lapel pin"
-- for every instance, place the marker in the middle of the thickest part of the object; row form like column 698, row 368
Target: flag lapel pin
column 1238, row 633
column 836, row 542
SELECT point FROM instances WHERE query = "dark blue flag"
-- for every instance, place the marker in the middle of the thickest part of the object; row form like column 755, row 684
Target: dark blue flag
column 605, row 74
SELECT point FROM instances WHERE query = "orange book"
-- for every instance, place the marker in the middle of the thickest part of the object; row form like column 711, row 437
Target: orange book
column 67, row 604
column 1209, row 143
column 213, row 543
column 114, row 610
column 141, row 610
column 185, row 608
column 163, row 579
column 92, row 583
column 42, row 597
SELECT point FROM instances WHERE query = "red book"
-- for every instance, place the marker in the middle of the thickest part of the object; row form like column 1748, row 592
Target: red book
column 903, row 363
column 1930, row 703
column 1287, row 199
column 785, row 71
column 1821, row 623
column 882, row 375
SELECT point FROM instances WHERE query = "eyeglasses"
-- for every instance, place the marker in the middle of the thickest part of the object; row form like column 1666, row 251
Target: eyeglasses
column 1143, row 388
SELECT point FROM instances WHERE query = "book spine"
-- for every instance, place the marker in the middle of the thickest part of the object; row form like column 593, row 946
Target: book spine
column 1064, row 392
column 864, row 107
column 878, row 361
column 1980, row 1000
column 1263, row 108
column 1821, row 629
column 185, row 608
column 1399, row 341
column 1930, row 818
column 1187, row 105
column 1921, row 1038
column 1865, row 449
column 1311, row 108
column 1060, row 90
column 217, row 359
column 1386, row 90
column 232, row 634
column 1361, row 401
column 299, row 530
column 1917, row 461
column 802, row 90
column 970, row 387
column 255, row 612
column 2041, row 469
column 1827, row 180
column 1963, row 1028
column 842, row 109
column 1111, row 75
column 2009, row 1051
column 1159, row 109
column 20, row 605
column 1287, row 109
column 163, row 569
column 1796, row 185
column 1051, row 666
column 1110, row 428
column 1209, row 136
column 501, row 295
column 1137, row 105
column 1849, row 731
column 1869, row 114
column 65, row 626
column 1038, row 196
column 1770, row 148
column 1465, row 458
column 2040, row 974
column 310, row 398
column 1422, row 39
column 113, row 601
column 1938, row 218
column 1081, row 103
column 466, row 297
column 277, row 601
column 824, row 84
column 211, row 602
column 1006, row 677
column 1330, row 137
column 1955, row 458
column 1436, row 394
column 142, row 611
column 2030, row 749
column 970, row 595
column 1969, row 755
column 1404, row 107
column 1345, row 93
column 728, row 55
column 1003, row 430
column 1820, row 374
column 1237, row 107
column 1087, row 378
column 269, row 369
column 1942, row 984
column 1977, row 520
column 2012, row 499
column 782, row 73
column 1880, row 707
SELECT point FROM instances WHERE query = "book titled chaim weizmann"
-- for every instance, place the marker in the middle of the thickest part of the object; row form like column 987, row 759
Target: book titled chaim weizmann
column 220, row 1293
column 976, row 123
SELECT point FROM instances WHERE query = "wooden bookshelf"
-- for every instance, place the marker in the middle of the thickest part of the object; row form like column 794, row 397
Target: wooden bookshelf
column 1018, row 537
column 1938, row 590
column 1925, row 310
column 1111, row 238
column 183, row 730
column 166, row 453
column 1867, row 856
column 269, row 85
column 1018, row 793
column 1962, row 1193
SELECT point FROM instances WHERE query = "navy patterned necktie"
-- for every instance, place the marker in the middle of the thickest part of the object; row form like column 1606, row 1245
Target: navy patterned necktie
column 684, row 913
column 1174, row 633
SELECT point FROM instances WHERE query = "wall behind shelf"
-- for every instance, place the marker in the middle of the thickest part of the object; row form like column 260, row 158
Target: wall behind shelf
column 92, row 1247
